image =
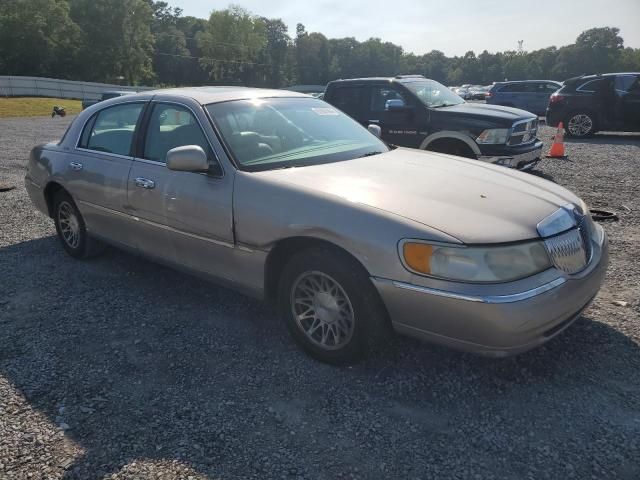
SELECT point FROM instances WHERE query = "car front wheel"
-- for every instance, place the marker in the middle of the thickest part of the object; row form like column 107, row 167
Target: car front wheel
column 330, row 306
column 580, row 124
column 71, row 228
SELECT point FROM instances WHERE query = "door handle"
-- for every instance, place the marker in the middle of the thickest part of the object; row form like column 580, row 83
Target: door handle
column 144, row 183
column 75, row 166
column 374, row 121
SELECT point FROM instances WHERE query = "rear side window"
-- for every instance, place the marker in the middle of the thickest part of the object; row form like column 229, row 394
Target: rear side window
column 349, row 99
column 111, row 130
column 513, row 88
column 593, row 86
column 549, row 88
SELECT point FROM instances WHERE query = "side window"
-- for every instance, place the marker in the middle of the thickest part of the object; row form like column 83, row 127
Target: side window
column 512, row 88
column 625, row 83
column 349, row 99
column 111, row 130
column 172, row 126
column 593, row 86
column 550, row 87
column 381, row 95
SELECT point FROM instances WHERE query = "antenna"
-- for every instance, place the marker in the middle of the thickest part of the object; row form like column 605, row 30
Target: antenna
column 520, row 49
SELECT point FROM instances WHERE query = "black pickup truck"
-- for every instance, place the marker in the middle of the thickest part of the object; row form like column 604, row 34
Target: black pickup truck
column 413, row 111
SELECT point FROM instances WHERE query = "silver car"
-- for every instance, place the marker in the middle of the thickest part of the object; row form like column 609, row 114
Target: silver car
column 286, row 198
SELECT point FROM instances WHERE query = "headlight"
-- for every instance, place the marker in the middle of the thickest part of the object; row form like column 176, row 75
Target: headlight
column 494, row 136
column 476, row 264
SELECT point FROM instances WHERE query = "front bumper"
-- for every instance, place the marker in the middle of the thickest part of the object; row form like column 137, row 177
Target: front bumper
column 520, row 157
column 495, row 324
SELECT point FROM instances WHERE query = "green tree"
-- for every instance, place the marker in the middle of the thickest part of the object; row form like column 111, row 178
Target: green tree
column 312, row 57
column 38, row 37
column 230, row 44
column 117, row 41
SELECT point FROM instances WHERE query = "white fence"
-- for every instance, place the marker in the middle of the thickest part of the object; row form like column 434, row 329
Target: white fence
column 50, row 87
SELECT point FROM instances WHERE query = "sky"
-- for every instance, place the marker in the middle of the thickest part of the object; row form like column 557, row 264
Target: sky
column 453, row 27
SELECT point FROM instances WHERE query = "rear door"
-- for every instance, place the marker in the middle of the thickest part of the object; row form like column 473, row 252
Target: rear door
column 514, row 95
column 99, row 168
column 184, row 217
column 352, row 99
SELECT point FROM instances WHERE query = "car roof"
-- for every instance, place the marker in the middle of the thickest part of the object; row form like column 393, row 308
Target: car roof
column 398, row 78
column 207, row 95
column 526, row 81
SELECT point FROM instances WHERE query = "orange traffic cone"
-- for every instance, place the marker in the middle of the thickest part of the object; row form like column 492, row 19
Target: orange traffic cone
column 557, row 149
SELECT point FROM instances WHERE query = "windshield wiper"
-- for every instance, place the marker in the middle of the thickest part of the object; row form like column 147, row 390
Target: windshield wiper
column 370, row 154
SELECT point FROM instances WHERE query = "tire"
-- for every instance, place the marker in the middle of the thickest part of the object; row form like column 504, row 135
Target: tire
column 580, row 124
column 330, row 307
column 71, row 228
column 453, row 147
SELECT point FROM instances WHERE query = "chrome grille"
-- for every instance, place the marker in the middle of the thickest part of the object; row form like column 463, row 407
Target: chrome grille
column 524, row 132
column 570, row 251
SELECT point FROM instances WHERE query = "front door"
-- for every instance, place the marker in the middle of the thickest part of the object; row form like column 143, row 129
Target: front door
column 628, row 93
column 184, row 217
column 99, row 169
column 391, row 109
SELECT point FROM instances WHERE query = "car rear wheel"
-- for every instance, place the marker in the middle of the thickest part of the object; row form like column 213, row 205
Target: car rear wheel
column 71, row 228
column 580, row 124
column 330, row 306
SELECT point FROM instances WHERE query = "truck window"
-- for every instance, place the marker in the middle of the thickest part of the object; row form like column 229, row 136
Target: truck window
column 349, row 99
column 380, row 95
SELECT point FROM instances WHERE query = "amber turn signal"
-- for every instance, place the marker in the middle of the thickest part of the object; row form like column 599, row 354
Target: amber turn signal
column 418, row 256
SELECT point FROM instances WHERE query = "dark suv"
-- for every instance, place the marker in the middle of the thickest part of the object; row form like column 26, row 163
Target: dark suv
column 415, row 112
column 597, row 102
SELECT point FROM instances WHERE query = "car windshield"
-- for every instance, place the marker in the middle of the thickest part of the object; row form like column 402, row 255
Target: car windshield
column 271, row 133
column 433, row 94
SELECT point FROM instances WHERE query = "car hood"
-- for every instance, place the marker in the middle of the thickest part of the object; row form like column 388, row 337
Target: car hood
column 503, row 116
column 470, row 200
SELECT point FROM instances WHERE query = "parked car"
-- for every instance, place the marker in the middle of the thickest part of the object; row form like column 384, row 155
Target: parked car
column 105, row 96
column 479, row 92
column 462, row 93
column 415, row 112
column 282, row 196
column 590, row 103
column 530, row 95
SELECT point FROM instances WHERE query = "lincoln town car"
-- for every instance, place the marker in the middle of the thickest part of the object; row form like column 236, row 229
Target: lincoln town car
column 287, row 199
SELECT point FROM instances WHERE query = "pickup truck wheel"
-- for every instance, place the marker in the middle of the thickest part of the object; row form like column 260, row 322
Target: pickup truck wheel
column 452, row 147
column 580, row 124
column 71, row 228
column 329, row 305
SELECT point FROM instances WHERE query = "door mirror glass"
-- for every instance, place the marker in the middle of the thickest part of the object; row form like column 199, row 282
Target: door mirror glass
column 189, row 158
column 395, row 105
column 375, row 130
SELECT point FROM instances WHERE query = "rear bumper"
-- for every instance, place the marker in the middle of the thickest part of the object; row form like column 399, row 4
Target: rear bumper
column 520, row 158
column 494, row 325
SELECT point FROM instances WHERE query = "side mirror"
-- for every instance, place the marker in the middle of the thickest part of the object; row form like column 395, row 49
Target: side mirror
column 395, row 105
column 375, row 130
column 190, row 158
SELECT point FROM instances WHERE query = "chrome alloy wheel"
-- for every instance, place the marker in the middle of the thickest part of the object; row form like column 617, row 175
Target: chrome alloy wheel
column 580, row 125
column 322, row 310
column 69, row 224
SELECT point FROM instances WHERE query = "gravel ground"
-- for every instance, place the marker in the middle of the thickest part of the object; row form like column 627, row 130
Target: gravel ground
column 119, row 368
